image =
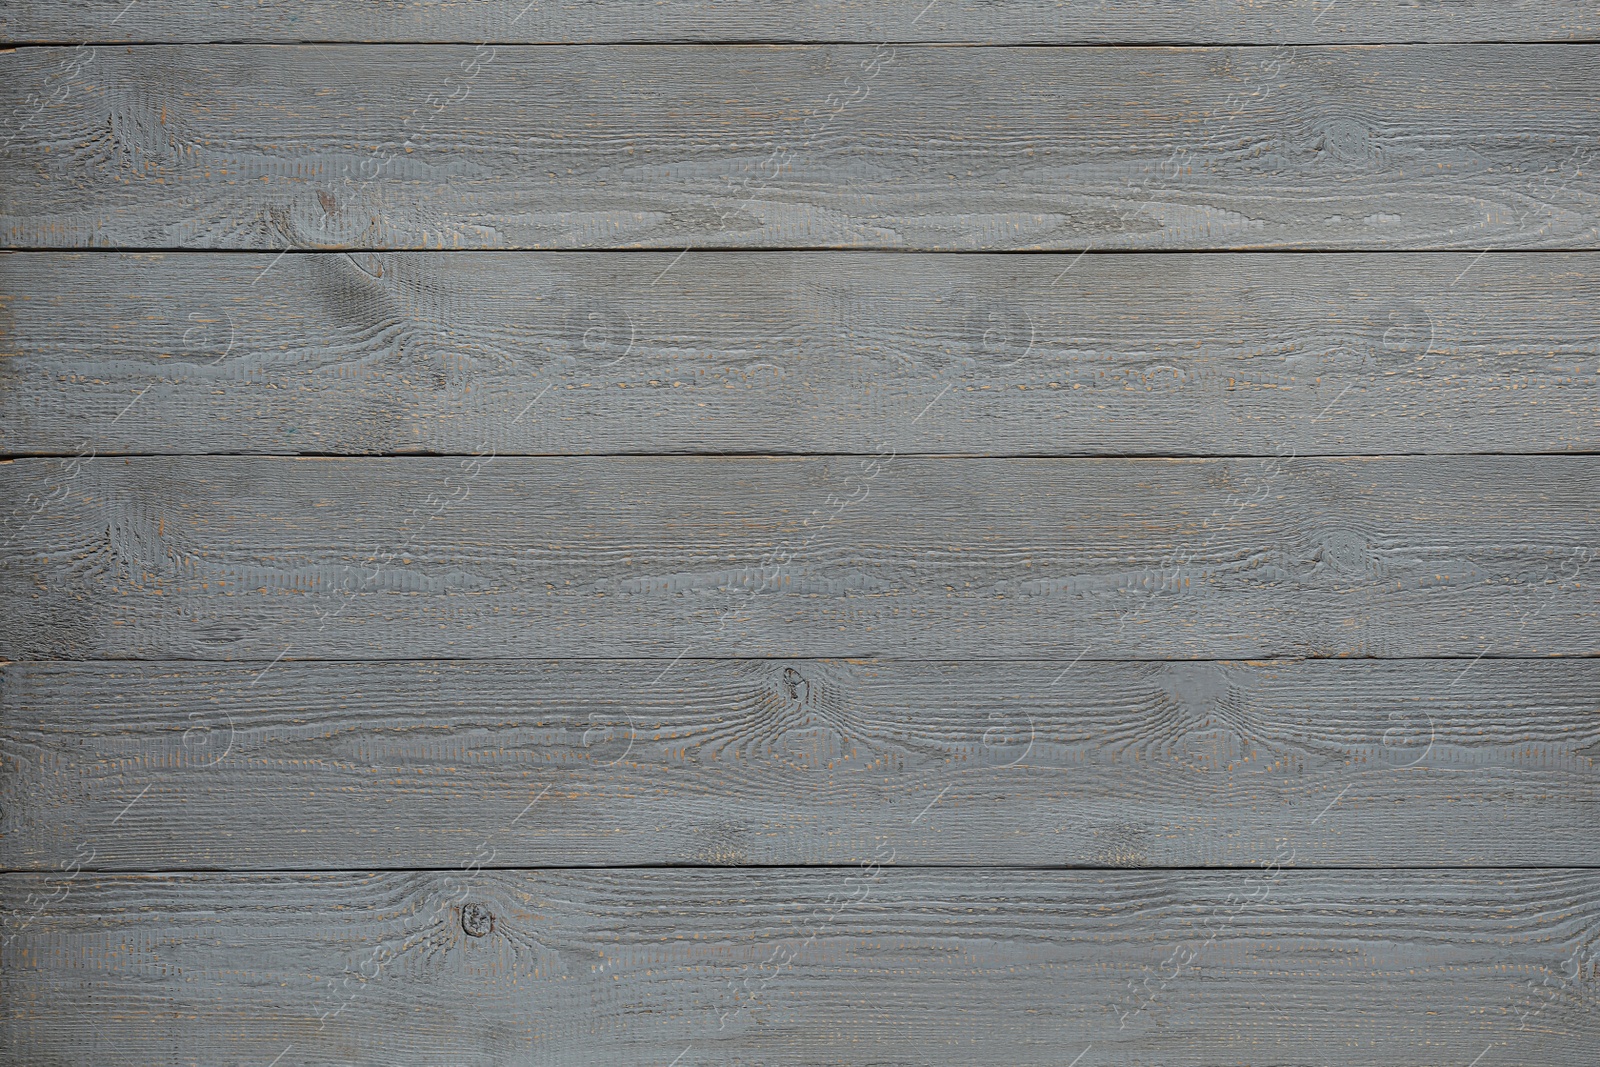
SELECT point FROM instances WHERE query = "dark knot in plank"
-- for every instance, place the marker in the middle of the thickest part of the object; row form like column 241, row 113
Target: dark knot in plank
column 476, row 920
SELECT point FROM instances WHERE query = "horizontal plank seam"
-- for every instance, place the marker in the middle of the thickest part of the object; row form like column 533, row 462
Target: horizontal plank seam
column 786, row 42
column 787, row 659
column 874, row 657
column 767, row 250
column 507, row 454
column 963, row 457
column 958, row 868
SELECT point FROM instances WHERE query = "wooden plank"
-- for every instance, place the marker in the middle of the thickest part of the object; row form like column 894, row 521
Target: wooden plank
column 517, row 21
column 966, row 149
column 779, row 352
column 489, row 557
column 330, row 765
column 872, row 965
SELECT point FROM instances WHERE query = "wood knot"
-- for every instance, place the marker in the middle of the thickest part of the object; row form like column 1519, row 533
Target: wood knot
column 1349, row 142
column 1344, row 552
column 476, row 920
column 793, row 681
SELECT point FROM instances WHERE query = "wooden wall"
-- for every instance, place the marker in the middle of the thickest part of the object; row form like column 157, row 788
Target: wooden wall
column 716, row 533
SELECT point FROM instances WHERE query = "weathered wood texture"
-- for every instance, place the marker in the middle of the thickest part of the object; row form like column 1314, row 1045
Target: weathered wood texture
column 780, row 352
column 648, row 21
column 380, row 146
column 855, row 966
column 478, row 557
column 331, row 765
column 482, row 710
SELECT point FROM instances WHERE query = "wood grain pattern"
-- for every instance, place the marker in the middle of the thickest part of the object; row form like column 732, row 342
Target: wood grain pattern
column 784, row 352
column 591, row 547
column 861, row 966
column 1003, row 22
column 386, row 147
column 326, row 765
column 484, row 557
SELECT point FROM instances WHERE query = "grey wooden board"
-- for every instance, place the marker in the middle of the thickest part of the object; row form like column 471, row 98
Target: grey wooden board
column 776, row 352
column 380, row 146
column 331, row 765
column 864, row 965
column 485, row 556
column 1006, row 22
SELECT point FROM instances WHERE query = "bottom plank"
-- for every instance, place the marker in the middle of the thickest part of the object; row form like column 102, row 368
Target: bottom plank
column 861, row 965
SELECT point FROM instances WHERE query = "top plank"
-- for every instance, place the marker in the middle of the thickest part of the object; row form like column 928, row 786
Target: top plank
column 778, row 21
column 372, row 147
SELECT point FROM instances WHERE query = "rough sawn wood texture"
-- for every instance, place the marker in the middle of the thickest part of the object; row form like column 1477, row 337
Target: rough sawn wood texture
column 812, row 533
column 660, row 21
column 317, row 765
column 855, row 965
column 796, row 352
column 487, row 556
column 962, row 149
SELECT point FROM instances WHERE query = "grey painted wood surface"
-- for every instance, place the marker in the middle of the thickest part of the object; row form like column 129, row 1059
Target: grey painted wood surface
column 646, row 21
column 379, row 146
column 249, row 817
column 330, row 765
column 780, row 352
column 855, row 965
column 485, row 556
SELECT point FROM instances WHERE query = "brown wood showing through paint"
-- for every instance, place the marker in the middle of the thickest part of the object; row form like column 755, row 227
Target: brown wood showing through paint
column 1257, row 354
column 814, row 533
column 312, row 765
column 839, row 146
column 863, row 964
column 488, row 557
column 662, row 21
